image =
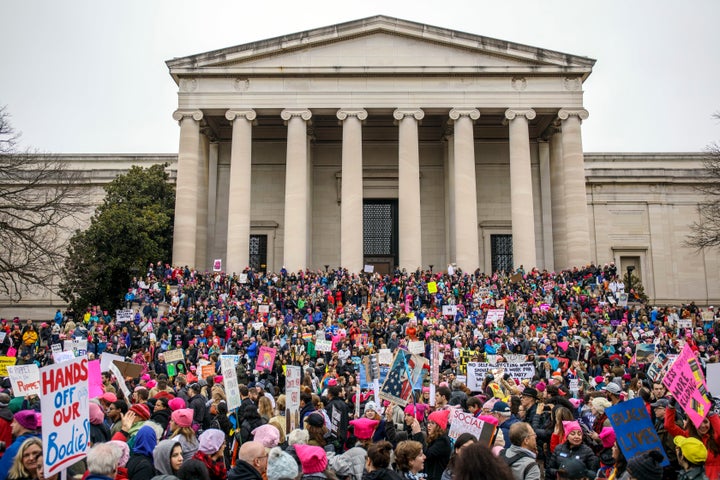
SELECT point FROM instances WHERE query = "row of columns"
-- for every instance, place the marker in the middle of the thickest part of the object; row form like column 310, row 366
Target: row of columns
column 568, row 210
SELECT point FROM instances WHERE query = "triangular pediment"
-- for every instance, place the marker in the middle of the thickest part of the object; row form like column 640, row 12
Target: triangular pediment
column 379, row 45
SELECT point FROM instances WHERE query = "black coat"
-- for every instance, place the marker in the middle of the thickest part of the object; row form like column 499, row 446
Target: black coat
column 582, row 452
column 243, row 471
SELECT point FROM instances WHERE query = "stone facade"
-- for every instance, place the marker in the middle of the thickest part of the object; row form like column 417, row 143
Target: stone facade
column 472, row 141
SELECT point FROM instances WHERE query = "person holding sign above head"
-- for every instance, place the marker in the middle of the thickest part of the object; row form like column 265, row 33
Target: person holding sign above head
column 708, row 433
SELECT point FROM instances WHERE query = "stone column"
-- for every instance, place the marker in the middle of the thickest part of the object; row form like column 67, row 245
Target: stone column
column 351, row 205
column 576, row 216
column 186, row 191
column 238, row 230
column 297, row 198
column 449, row 172
column 557, row 192
column 201, row 236
column 545, row 199
column 409, row 221
column 521, row 195
column 212, row 200
column 467, row 248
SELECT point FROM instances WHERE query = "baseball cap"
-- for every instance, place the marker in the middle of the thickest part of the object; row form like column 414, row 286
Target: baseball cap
column 613, row 388
column 661, row 402
column 692, row 449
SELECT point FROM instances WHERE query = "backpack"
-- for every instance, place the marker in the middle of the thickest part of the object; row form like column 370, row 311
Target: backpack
column 511, row 460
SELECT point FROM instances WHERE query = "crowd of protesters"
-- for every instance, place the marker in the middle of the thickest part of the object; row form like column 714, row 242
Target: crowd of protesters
column 574, row 326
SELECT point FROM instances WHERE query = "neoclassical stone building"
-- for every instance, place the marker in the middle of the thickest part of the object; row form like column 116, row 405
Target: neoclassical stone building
column 390, row 143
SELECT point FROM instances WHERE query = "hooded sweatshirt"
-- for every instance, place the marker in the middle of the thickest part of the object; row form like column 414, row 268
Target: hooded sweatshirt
column 161, row 456
column 140, row 466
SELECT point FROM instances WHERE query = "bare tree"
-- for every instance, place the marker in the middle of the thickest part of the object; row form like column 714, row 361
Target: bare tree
column 705, row 233
column 40, row 199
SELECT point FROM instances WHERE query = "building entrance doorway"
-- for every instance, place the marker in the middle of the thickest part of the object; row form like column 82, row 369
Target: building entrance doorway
column 380, row 234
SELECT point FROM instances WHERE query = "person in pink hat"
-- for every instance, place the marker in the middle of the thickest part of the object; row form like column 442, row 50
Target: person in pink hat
column 181, row 422
column 438, row 449
column 313, row 461
column 364, row 428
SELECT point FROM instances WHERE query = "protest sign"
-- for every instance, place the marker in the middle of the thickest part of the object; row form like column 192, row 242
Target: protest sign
column 217, row 265
column 713, row 377
column 76, row 345
column 60, row 357
column 435, row 360
column 107, row 359
column 476, row 372
column 684, row 323
column 494, row 316
column 125, row 315
column 265, row 308
column 369, row 269
column 432, row 287
column 242, row 278
column 685, row 381
column 449, row 310
column 176, row 355
column 235, row 358
column 2, row 336
column 207, row 371
column 293, row 377
column 515, row 358
column 232, row 390
column 266, row 358
column 4, row 362
column 622, row 299
column 645, row 352
column 65, row 414
column 658, row 365
column 95, row 384
column 384, row 356
column 257, row 325
column 323, row 345
column 634, row 431
column 461, row 422
column 25, row 379
column 417, row 347
column 121, row 380
column 404, row 374
column 128, row 369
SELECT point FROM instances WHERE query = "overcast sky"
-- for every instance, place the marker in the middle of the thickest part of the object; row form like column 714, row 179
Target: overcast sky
column 90, row 76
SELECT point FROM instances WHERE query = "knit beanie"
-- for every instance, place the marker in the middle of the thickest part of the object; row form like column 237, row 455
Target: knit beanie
column 646, row 465
column 141, row 410
column 299, row 436
column 313, row 459
column 281, row 465
column 440, row 418
column 600, row 404
column 607, row 436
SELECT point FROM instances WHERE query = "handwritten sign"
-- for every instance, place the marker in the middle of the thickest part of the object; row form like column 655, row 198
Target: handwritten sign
column 432, row 287
column 449, row 310
column 125, row 315
column 369, row 268
column 217, row 265
column 207, row 371
column 292, row 392
column 323, row 345
column 25, row 379
column 494, row 316
column 461, row 422
column 232, row 390
column 385, row 356
column 417, row 347
column 65, row 414
column 176, row 355
column 4, row 362
column 686, row 382
column 476, row 372
column 634, row 430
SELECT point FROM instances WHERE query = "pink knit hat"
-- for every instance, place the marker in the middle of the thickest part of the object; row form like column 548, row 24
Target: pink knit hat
column 440, row 418
column 183, row 417
column 97, row 416
column 267, row 434
column 176, row 404
column 571, row 426
column 313, row 459
column 607, row 436
column 364, row 427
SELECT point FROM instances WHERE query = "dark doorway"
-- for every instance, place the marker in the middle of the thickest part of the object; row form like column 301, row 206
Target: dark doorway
column 501, row 248
column 380, row 234
column 258, row 252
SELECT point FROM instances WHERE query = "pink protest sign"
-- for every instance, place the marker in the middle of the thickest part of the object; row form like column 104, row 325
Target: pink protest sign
column 95, row 384
column 686, row 382
column 266, row 358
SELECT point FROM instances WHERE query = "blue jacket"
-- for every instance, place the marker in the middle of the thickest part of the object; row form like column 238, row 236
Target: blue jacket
column 7, row 459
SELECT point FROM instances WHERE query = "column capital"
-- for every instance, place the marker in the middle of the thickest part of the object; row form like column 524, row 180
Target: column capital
column 248, row 113
column 401, row 113
column 565, row 113
column 303, row 113
column 472, row 113
column 344, row 113
column 512, row 113
column 181, row 113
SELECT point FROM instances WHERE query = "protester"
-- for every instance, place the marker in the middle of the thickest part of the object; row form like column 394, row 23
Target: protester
column 26, row 461
column 476, row 462
column 167, row 459
column 24, row 427
column 410, row 459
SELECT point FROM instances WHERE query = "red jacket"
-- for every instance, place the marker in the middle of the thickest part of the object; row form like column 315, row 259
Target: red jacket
column 712, row 465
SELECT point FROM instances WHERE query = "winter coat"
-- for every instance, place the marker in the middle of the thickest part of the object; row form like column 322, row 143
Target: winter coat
column 243, row 471
column 437, row 458
column 712, row 465
column 140, row 466
column 520, row 465
column 7, row 459
column 582, row 452
column 382, row 474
